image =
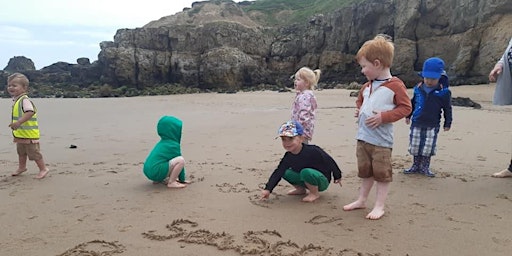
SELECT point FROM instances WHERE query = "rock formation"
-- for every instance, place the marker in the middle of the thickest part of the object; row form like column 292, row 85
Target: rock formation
column 212, row 45
column 216, row 44
column 19, row 63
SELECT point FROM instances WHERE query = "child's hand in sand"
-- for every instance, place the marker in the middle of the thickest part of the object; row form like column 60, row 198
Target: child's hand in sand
column 264, row 194
column 338, row 182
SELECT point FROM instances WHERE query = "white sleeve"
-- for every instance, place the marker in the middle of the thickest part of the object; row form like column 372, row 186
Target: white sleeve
column 27, row 105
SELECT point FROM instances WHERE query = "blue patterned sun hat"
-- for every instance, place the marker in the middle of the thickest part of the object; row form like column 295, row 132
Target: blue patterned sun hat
column 290, row 129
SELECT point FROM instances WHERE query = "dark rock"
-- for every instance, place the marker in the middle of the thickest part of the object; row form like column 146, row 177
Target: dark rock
column 83, row 61
column 19, row 64
column 465, row 102
column 354, row 93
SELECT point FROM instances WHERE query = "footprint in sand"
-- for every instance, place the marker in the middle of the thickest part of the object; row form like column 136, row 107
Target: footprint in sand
column 503, row 196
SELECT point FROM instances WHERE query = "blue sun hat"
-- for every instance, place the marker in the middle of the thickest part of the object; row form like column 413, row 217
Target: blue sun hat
column 433, row 68
column 290, row 129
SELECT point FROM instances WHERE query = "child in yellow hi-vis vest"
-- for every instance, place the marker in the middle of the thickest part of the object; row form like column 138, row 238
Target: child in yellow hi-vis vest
column 24, row 126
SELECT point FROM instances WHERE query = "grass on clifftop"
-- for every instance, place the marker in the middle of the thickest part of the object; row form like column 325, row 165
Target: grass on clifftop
column 299, row 10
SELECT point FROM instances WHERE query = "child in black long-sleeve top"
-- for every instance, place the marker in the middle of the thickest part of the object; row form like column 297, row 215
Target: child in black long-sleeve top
column 306, row 167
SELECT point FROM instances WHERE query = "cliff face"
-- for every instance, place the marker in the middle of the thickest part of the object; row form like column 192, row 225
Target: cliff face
column 216, row 44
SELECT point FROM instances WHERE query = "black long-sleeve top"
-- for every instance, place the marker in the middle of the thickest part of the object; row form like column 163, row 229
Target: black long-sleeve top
column 311, row 156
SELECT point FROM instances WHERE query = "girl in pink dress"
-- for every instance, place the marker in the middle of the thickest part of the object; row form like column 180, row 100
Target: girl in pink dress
column 304, row 105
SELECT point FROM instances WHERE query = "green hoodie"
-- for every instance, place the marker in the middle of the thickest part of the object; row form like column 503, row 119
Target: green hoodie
column 156, row 166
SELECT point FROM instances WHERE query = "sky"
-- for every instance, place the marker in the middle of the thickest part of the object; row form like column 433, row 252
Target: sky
column 49, row 31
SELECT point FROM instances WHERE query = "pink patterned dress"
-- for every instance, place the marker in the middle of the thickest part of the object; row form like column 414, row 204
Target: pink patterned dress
column 303, row 111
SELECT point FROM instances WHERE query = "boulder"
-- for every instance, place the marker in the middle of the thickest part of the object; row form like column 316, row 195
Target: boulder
column 19, row 64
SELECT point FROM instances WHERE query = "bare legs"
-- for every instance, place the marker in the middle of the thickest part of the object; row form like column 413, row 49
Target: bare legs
column 175, row 167
column 360, row 203
column 298, row 190
column 22, row 167
column 505, row 173
column 382, row 193
column 313, row 194
column 43, row 170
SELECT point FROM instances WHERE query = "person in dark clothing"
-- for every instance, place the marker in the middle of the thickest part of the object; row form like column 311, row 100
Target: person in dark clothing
column 306, row 167
column 432, row 97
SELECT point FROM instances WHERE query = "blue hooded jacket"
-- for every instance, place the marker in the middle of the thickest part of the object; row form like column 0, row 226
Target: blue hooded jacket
column 427, row 107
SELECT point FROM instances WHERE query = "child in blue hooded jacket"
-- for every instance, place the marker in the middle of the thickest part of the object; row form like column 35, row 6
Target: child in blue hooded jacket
column 165, row 160
column 431, row 98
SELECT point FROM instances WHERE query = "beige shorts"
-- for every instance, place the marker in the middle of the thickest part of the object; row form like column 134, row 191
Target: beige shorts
column 374, row 161
column 31, row 150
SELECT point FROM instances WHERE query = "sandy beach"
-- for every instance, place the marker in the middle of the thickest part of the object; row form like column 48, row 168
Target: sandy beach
column 96, row 200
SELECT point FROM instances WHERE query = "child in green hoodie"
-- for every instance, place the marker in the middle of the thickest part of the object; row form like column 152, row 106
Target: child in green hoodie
column 165, row 160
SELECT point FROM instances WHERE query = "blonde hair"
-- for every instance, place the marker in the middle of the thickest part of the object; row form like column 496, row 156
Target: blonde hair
column 310, row 76
column 23, row 79
column 379, row 48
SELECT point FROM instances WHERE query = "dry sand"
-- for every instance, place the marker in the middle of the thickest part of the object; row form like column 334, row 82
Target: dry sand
column 96, row 201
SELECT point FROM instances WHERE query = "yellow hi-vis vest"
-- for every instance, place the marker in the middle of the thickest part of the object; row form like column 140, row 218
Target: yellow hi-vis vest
column 28, row 129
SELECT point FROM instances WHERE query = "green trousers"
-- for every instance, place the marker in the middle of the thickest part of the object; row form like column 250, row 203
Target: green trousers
column 307, row 175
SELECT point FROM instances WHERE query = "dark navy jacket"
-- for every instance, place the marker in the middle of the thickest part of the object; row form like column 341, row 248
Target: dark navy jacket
column 427, row 108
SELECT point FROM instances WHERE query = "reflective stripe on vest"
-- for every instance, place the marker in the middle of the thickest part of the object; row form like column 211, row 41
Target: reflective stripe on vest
column 29, row 129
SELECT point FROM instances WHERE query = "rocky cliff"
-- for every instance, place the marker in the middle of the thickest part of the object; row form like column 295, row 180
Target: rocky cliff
column 216, row 44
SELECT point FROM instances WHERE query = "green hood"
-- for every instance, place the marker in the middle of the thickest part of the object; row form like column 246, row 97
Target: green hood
column 169, row 128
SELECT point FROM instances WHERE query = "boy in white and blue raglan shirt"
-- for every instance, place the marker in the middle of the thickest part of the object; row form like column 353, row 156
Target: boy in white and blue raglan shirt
column 431, row 98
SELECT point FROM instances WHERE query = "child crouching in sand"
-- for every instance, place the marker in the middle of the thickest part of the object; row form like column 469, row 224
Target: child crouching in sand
column 165, row 161
column 306, row 167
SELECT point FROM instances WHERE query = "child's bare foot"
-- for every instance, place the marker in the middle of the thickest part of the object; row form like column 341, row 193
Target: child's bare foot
column 310, row 198
column 18, row 172
column 42, row 173
column 175, row 184
column 502, row 174
column 375, row 214
column 184, row 182
column 354, row 206
column 297, row 191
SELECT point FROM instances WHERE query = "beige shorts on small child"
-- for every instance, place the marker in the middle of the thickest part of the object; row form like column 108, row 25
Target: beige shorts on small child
column 374, row 161
column 31, row 150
